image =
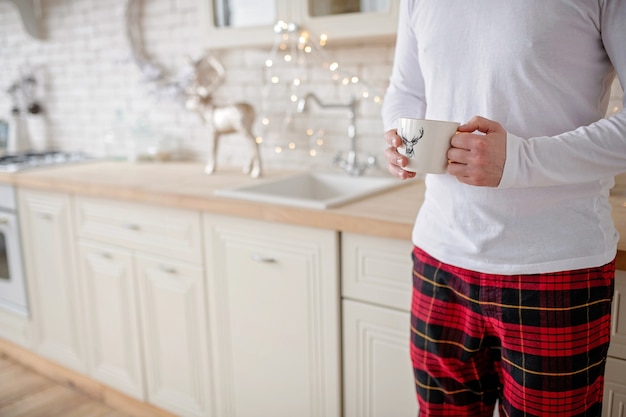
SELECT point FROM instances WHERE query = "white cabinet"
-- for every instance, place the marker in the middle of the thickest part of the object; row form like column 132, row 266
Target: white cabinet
column 376, row 19
column 376, row 291
column 378, row 377
column 49, row 253
column 377, row 270
column 174, row 321
column 143, row 276
column 614, row 404
column 107, row 274
column 274, row 308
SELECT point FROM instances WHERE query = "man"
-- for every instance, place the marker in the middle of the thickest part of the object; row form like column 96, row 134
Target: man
column 514, row 245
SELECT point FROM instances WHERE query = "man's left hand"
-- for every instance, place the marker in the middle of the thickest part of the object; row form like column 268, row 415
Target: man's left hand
column 478, row 152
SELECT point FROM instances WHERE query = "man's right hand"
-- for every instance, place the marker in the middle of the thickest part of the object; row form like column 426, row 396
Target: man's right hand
column 395, row 161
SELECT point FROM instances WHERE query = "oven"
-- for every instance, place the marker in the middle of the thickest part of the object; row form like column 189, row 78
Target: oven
column 13, row 295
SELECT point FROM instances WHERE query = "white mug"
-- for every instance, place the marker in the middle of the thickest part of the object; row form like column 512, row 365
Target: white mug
column 425, row 143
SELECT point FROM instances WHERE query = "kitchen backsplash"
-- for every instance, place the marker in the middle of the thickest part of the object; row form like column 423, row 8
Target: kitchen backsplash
column 89, row 83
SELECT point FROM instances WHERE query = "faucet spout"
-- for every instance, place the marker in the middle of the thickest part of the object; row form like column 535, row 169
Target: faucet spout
column 351, row 164
column 303, row 104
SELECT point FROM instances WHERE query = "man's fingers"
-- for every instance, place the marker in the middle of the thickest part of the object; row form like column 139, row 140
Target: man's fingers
column 392, row 138
column 480, row 124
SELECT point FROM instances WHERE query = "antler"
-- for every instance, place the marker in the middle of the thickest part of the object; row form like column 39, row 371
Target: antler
column 210, row 74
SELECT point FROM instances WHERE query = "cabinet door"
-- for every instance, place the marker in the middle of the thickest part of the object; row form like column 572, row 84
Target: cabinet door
column 274, row 307
column 618, row 319
column 378, row 376
column 614, row 403
column 174, row 328
column 230, row 23
column 45, row 220
column 349, row 20
column 251, row 23
column 111, row 314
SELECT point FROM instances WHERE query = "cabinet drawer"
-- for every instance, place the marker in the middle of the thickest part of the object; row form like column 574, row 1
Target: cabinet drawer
column 162, row 231
column 377, row 270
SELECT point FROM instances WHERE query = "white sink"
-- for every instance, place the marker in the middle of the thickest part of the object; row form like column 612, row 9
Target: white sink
column 311, row 190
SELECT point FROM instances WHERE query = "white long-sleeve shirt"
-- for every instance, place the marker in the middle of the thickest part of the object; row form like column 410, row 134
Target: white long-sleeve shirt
column 543, row 69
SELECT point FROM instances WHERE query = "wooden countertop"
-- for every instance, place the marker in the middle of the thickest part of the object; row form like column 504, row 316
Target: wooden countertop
column 185, row 185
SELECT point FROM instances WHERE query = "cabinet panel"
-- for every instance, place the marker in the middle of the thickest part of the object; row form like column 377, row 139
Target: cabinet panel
column 168, row 232
column 379, row 23
column 614, row 403
column 378, row 378
column 618, row 324
column 220, row 35
column 377, row 270
column 49, row 253
column 371, row 23
column 111, row 314
column 274, row 307
column 173, row 320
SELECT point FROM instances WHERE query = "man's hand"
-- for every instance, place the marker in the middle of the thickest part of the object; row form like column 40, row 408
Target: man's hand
column 478, row 158
column 395, row 161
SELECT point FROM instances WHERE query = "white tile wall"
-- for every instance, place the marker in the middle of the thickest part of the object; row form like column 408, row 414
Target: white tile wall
column 88, row 76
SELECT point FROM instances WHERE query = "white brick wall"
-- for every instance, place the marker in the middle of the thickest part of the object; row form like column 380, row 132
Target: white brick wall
column 88, row 76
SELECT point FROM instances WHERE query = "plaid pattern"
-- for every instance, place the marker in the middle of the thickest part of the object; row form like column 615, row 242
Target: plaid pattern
column 536, row 342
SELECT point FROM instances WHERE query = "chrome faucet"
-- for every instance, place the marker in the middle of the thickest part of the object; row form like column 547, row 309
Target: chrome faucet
column 351, row 164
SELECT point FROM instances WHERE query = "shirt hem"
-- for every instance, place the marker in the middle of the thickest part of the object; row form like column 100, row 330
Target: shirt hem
column 524, row 269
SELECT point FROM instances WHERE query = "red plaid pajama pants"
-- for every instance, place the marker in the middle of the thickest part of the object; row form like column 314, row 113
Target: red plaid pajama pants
column 538, row 343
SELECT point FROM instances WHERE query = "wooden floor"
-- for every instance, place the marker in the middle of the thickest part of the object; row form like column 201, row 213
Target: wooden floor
column 24, row 393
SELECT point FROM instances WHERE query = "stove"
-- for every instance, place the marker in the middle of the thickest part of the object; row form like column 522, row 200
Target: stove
column 25, row 160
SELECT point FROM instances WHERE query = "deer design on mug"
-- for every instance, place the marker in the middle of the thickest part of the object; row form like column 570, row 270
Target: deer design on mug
column 410, row 143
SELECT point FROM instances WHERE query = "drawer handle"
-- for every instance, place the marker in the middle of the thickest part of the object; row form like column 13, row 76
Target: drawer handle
column 257, row 257
column 168, row 269
column 106, row 255
column 132, row 226
column 45, row 216
column 4, row 220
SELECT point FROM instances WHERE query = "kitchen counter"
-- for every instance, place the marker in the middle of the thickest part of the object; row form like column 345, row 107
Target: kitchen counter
column 185, row 185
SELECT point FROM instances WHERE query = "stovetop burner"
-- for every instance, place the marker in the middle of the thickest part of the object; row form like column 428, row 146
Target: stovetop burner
column 24, row 160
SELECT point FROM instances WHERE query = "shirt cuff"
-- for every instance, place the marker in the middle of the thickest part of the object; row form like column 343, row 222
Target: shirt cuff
column 511, row 171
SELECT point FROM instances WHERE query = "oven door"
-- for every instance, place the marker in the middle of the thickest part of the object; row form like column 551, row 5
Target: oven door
column 12, row 282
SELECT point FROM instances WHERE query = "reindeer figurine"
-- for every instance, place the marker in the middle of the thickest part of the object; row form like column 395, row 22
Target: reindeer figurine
column 208, row 74
column 201, row 80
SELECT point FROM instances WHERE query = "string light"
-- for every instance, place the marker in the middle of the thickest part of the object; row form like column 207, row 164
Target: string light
column 289, row 65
